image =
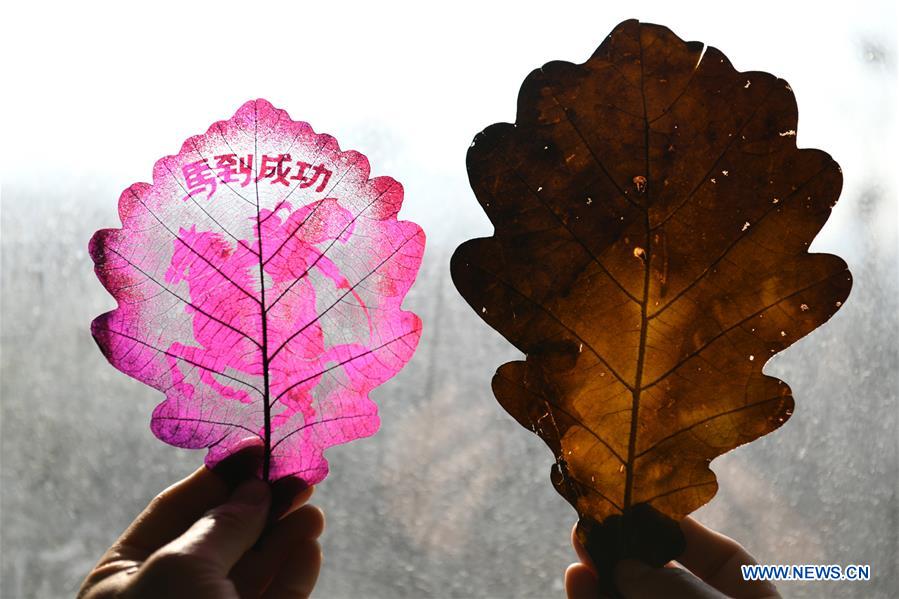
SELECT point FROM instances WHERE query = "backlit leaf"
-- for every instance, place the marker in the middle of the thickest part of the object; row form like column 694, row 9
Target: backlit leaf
column 652, row 218
column 259, row 280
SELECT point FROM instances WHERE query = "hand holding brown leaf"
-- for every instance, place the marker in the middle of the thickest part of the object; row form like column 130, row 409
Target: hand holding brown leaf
column 709, row 568
column 652, row 220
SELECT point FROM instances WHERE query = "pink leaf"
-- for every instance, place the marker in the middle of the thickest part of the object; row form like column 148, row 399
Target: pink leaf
column 259, row 282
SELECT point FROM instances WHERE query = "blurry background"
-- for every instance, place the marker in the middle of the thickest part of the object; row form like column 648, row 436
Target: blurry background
column 438, row 503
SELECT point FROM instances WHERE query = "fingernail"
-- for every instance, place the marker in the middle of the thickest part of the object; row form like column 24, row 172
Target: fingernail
column 629, row 569
column 251, row 492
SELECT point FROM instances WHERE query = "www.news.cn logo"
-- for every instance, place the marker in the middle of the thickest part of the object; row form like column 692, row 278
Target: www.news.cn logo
column 806, row 572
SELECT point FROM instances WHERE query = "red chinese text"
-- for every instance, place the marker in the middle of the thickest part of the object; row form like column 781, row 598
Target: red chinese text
column 203, row 178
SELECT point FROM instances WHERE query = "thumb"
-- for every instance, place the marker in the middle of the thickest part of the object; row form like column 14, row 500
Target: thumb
column 636, row 579
column 222, row 536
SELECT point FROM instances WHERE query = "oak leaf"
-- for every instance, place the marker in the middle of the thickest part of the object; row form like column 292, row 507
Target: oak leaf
column 652, row 218
column 259, row 282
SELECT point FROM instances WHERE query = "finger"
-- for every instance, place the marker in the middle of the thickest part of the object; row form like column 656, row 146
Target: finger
column 716, row 559
column 298, row 574
column 172, row 512
column 225, row 533
column 246, row 462
column 635, row 579
column 706, row 550
column 308, row 522
column 288, row 494
column 581, row 551
column 581, row 582
column 255, row 571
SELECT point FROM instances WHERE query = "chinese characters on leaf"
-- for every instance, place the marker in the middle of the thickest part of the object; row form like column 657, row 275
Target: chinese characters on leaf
column 259, row 282
column 201, row 178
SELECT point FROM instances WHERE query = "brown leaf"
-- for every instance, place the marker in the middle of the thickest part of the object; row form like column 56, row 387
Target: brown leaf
column 652, row 219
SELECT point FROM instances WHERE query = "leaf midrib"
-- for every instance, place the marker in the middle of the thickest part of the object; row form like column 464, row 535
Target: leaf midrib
column 266, row 389
column 644, row 302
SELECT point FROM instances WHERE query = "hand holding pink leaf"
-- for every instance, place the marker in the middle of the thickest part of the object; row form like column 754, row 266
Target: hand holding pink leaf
column 259, row 282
